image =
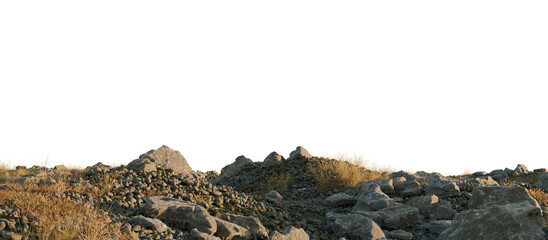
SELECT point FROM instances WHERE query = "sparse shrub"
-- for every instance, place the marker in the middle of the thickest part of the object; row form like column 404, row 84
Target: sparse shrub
column 342, row 172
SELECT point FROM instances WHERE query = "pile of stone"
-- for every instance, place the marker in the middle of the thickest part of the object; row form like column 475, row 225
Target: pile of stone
column 158, row 196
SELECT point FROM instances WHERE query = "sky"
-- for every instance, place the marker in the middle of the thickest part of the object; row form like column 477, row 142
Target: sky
column 444, row 86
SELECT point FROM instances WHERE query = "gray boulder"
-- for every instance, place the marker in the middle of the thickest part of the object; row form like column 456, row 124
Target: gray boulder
column 180, row 214
column 399, row 235
column 149, row 223
column 484, row 196
column 499, row 175
column 372, row 199
column 202, row 236
column 273, row 159
column 425, row 204
column 252, row 224
column 519, row 221
column 234, row 168
column 273, row 196
column 521, row 169
column 436, row 226
column 357, row 227
column 543, row 181
column 411, row 188
column 227, row 230
column 406, row 175
column 442, row 210
column 386, row 185
column 341, row 200
column 290, row 233
column 165, row 158
column 442, row 188
column 300, row 152
column 398, row 217
column 540, row 170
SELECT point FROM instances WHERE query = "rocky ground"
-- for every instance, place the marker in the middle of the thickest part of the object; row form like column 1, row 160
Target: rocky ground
column 158, row 196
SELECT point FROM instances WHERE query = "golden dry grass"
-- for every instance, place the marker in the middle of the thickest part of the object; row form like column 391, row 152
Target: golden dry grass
column 58, row 218
column 279, row 183
column 342, row 172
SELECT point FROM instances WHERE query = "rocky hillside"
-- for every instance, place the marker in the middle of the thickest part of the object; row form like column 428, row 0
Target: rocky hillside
column 159, row 196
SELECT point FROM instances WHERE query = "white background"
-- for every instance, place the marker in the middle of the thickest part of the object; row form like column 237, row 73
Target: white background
column 446, row 86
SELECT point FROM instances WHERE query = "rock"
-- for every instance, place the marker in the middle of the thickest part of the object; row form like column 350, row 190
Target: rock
column 357, row 227
column 165, row 158
column 180, row 214
column 341, row 200
column 234, row 168
column 540, row 170
column 332, row 216
column 372, row 199
column 290, row 233
column 510, row 221
column 20, row 168
column 499, row 175
column 252, row 224
column 202, row 236
column 5, row 235
column 442, row 188
column 300, row 152
column 479, row 174
column 411, row 188
column 406, row 175
column 442, row 210
column 471, row 183
column 386, row 185
column 99, row 168
column 543, row 181
column 149, row 223
column 425, row 204
column 227, row 230
column 273, row 196
column 61, row 168
column 436, row 227
column 399, row 235
column 273, row 159
column 399, row 183
column 398, row 217
column 520, row 170
column 484, row 196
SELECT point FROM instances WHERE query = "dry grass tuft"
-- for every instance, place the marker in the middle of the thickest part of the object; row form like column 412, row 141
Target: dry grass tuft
column 342, row 172
column 55, row 217
column 539, row 195
column 279, row 183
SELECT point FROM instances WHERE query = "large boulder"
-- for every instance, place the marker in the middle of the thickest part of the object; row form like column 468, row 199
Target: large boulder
column 164, row 158
column 398, row 217
column 273, row 159
column 252, row 224
column 442, row 188
column 290, row 233
column 357, row 227
column 300, row 152
column 425, row 204
column 543, row 181
column 521, row 169
column 180, row 214
column 341, row 200
column 484, row 196
column 149, row 223
column 227, row 230
column 519, row 221
column 499, row 175
column 234, row 168
column 372, row 199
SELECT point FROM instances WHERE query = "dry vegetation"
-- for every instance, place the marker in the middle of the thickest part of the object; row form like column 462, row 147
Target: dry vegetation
column 55, row 217
column 344, row 171
column 278, row 183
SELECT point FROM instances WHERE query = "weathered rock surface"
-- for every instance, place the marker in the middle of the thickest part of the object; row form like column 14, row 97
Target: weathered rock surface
column 485, row 196
column 442, row 188
column 357, row 227
column 149, row 223
column 290, row 233
column 397, row 217
column 341, row 200
column 234, row 168
column 425, row 204
column 252, row 224
column 543, row 180
column 273, row 159
column 180, row 214
column 227, row 230
column 372, row 199
column 202, row 236
column 165, row 158
column 300, row 152
column 518, row 221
